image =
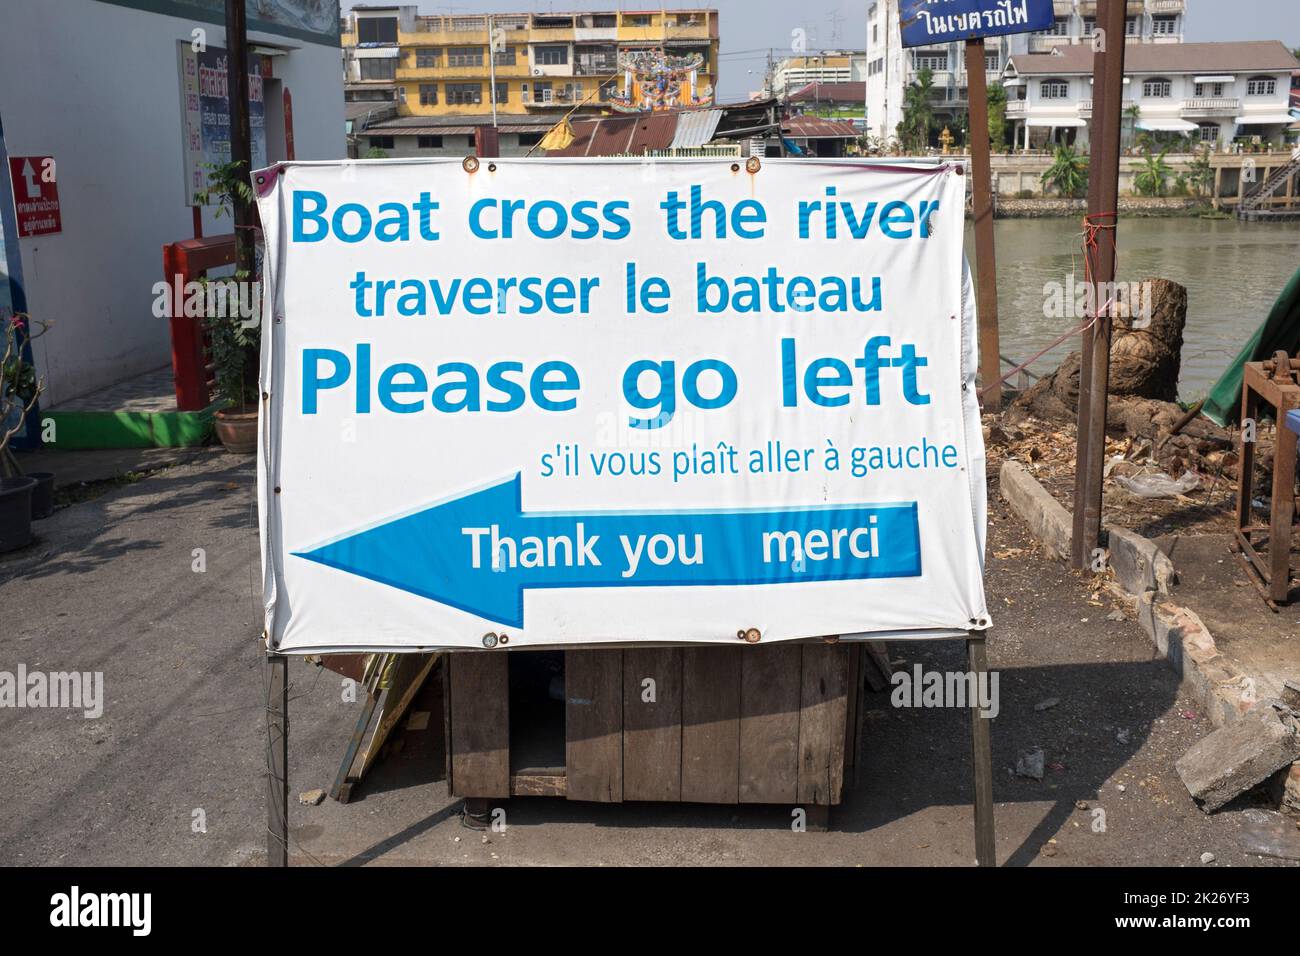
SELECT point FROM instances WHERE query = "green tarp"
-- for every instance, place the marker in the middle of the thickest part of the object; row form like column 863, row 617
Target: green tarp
column 1281, row 330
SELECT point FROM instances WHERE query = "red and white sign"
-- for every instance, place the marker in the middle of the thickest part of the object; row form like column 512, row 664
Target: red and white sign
column 36, row 195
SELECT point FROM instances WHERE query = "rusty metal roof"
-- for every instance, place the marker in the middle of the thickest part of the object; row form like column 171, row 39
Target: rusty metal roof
column 817, row 127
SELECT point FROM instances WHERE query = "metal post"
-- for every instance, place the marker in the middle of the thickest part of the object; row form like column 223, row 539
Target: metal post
column 277, row 760
column 1103, row 202
column 985, row 258
column 240, row 136
column 981, row 747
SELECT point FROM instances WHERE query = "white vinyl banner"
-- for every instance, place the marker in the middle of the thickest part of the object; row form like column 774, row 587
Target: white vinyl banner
column 558, row 402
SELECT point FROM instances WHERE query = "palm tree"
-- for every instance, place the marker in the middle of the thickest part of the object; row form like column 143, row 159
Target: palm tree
column 1068, row 174
column 1152, row 178
column 918, row 112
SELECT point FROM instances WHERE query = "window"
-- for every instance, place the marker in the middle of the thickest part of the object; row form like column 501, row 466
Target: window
column 377, row 30
column 1130, row 26
column 992, row 62
column 428, row 94
column 428, row 142
column 931, row 59
column 1261, row 86
column 551, row 55
column 503, row 92
column 1164, row 26
column 426, row 57
column 1060, row 27
column 1054, row 89
column 1209, row 132
column 543, row 92
column 1209, row 89
column 636, row 19
column 875, row 33
column 1157, row 87
column 380, row 142
column 378, row 69
column 1089, row 26
column 463, row 94
column 505, row 57
column 471, row 140
column 465, row 56
column 529, row 139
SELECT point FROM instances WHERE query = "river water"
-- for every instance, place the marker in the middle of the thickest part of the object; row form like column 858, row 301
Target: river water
column 1233, row 271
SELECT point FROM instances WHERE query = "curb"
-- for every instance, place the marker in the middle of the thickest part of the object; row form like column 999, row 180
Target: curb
column 1143, row 576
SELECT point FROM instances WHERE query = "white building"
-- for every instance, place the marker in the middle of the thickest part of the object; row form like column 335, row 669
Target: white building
column 1214, row 91
column 97, row 85
column 890, row 68
column 828, row 66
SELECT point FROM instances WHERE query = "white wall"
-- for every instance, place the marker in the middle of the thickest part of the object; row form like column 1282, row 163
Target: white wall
column 96, row 86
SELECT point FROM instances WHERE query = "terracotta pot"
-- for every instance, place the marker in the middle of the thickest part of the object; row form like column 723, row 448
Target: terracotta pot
column 237, row 429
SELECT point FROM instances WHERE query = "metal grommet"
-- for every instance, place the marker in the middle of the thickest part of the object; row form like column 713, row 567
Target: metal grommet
column 261, row 179
column 489, row 640
column 735, row 167
column 492, row 167
column 277, row 489
column 753, row 164
column 505, row 638
column 266, row 396
column 470, row 164
column 752, row 636
column 960, row 170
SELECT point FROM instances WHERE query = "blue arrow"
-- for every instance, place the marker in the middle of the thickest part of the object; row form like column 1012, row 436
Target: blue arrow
column 481, row 551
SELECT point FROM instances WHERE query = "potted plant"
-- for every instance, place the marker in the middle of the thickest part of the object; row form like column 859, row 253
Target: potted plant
column 22, row 497
column 233, row 323
column 234, row 344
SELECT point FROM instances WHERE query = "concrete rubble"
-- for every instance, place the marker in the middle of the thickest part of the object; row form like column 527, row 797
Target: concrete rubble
column 1241, row 754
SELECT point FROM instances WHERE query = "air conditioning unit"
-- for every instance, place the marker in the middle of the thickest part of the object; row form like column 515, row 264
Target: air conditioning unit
column 537, row 72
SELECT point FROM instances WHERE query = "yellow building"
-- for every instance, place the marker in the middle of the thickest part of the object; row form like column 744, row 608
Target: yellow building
column 543, row 64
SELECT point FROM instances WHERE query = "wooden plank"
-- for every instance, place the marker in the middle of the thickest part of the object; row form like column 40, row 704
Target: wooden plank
column 711, row 724
column 770, row 683
column 593, row 718
column 538, row 784
column 652, row 729
column 480, row 723
column 821, row 723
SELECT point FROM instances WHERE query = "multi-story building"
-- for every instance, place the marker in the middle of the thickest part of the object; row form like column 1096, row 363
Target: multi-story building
column 528, row 69
column 891, row 68
column 828, row 66
column 1215, row 92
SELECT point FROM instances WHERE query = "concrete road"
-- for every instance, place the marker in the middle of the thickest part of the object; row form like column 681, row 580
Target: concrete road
column 173, row 771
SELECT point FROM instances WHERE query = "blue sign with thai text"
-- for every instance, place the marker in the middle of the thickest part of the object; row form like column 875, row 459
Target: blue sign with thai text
column 927, row 22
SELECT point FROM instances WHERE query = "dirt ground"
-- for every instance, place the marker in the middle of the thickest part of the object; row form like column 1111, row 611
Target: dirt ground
column 111, row 586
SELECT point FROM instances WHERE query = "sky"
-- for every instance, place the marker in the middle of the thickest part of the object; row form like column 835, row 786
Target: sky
column 749, row 28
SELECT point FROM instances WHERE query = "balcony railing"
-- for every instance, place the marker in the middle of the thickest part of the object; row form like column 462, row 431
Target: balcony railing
column 1212, row 106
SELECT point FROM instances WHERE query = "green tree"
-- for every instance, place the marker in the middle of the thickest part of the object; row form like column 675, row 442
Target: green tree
column 918, row 112
column 1068, row 174
column 1200, row 175
column 1152, row 178
column 997, row 99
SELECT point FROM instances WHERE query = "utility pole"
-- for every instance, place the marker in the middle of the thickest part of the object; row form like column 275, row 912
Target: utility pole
column 240, row 136
column 1099, row 265
column 986, row 287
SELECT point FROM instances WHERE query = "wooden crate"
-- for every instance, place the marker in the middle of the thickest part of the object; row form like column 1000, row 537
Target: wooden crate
column 746, row 724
